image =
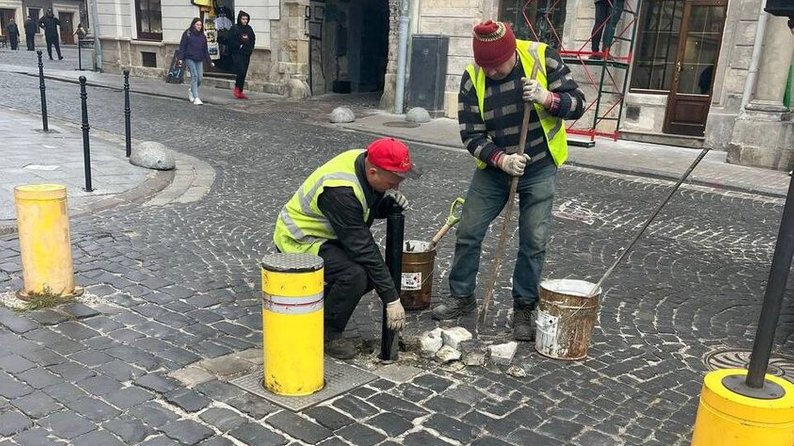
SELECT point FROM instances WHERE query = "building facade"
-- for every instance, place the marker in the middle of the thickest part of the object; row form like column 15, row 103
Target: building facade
column 69, row 12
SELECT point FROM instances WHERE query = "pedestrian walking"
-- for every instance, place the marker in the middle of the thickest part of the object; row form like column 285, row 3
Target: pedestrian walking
column 194, row 51
column 30, row 32
column 49, row 23
column 12, row 30
column 510, row 74
column 241, row 40
column 330, row 216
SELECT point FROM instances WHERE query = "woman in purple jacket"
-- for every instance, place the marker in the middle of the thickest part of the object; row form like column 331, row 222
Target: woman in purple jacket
column 194, row 51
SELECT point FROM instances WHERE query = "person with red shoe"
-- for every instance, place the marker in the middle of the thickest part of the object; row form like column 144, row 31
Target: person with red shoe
column 241, row 41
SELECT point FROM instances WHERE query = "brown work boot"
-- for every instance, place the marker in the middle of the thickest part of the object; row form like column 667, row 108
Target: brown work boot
column 454, row 307
column 341, row 348
column 523, row 325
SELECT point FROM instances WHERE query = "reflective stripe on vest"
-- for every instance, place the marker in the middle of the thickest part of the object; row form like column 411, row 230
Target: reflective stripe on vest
column 533, row 59
column 301, row 226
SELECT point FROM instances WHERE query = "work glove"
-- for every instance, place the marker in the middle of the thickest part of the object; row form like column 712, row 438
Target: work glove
column 397, row 198
column 513, row 164
column 533, row 92
column 395, row 315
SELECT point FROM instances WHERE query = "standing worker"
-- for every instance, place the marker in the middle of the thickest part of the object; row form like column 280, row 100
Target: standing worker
column 13, row 34
column 509, row 74
column 330, row 216
column 30, row 32
column 241, row 40
column 49, row 23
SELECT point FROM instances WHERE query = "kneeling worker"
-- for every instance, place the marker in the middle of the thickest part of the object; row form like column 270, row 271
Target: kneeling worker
column 330, row 216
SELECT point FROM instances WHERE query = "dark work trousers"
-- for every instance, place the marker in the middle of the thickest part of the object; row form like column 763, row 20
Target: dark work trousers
column 14, row 42
column 240, row 62
column 345, row 282
column 602, row 9
column 50, row 43
column 31, row 39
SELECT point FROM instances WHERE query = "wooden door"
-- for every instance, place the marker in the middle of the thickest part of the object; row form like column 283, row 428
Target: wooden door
column 698, row 51
column 67, row 28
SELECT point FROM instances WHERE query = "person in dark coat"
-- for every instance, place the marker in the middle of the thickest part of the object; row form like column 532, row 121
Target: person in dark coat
column 241, row 41
column 194, row 49
column 30, row 33
column 13, row 34
column 49, row 23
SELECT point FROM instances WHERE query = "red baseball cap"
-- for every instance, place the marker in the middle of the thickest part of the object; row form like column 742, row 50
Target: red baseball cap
column 392, row 155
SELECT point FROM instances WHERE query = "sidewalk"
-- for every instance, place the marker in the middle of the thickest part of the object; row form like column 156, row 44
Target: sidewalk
column 31, row 156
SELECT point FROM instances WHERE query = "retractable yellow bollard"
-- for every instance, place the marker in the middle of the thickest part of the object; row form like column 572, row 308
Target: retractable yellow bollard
column 45, row 244
column 292, row 323
column 726, row 418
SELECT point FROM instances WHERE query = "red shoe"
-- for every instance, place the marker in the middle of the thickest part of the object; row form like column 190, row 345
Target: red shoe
column 236, row 92
column 242, row 95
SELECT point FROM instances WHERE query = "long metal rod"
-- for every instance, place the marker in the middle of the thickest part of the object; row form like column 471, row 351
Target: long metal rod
column 395, row 226
column 648, row 222
column 43, row 90
column 86, row 142
column 773, row 298
column 127, row 112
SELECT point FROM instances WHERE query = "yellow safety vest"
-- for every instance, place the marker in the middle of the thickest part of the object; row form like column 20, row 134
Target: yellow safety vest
column 533, row 59
column 301, row 227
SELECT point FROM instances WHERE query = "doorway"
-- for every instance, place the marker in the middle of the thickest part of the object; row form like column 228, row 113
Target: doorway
column 67, row 28
column 693, row 72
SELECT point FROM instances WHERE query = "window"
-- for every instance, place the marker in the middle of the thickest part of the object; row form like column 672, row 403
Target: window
column 539, row 20
column 657, row 45
column 149, row 59
column 149, row 20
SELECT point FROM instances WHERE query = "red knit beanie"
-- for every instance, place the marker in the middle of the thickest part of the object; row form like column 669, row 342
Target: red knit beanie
column 494, row 43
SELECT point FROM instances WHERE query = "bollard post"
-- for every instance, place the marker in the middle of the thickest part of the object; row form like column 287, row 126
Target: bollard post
column 395, row 224
column 127, row 112
column 292, row 323
column 44, row 241
column 86, row 128
column 42, row 88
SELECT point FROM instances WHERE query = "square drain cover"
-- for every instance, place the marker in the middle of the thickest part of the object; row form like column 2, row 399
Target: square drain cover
column 340, row 377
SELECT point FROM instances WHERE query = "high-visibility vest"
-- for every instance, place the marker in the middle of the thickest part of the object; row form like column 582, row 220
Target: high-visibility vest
column 301, row 226
column 533, row 59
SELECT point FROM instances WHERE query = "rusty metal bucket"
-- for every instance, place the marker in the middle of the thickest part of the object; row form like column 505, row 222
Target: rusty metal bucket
column 417, row 275
column 567, row 311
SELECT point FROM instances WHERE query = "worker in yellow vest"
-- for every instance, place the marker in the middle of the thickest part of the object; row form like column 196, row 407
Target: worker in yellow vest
column 330, row 216
column 508, row 74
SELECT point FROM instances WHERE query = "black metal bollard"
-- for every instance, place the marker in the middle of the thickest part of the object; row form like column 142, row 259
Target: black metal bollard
column 42, row 88
column 86, row 128
column 395, row 225
column 127, row 112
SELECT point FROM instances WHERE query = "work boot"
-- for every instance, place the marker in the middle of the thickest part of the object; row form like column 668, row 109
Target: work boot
column 341, row 348
column 523, row 326
column 236, row 92
column 454, row 307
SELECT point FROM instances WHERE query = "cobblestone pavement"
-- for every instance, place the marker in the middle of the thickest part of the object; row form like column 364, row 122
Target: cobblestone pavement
column 169, row 285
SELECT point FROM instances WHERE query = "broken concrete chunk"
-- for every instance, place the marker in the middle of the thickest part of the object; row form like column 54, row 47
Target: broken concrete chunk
column 474, row 358
column 455, row 335
column 517, row 371
column 447, row 354
column 430, row 342
column 503, row 353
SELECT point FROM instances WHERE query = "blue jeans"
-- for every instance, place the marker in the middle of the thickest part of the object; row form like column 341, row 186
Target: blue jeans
column 196, row 68
column 486, row 198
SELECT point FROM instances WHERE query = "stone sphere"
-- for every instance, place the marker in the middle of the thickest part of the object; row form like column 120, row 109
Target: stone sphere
column 152, row 155
column 417, row 114
column 341, row 115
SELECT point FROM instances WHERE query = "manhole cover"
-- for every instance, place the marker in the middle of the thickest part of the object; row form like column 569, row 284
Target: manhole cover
column 339, row 378
column 781, row 366
column 404, row 124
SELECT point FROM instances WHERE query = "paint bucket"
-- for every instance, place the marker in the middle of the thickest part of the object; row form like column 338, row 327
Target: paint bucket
column 565, row 318
column 417, row 275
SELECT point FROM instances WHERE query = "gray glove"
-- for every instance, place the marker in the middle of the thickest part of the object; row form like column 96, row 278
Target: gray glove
column 513, row 164
column 395, row 315
column 398, row 198
column 533, row 92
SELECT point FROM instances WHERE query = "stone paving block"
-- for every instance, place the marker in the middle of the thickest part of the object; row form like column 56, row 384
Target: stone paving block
column 13, row 364
column 253, row 433
column 328, row 417
column 72, row 371
column 452, row 337
column 93, row 408
column 100, row 385
column 12, row 422
column 187, row 431
column 35, row 437
column 120, row 370
column 161, row 440
column 98, row 438
column 67, row 424
column 298, row 427
column 465, row 394
column 78, row 310
column 432, row 382
column 125, row 335
column 91, row 358
column 491, row 441
column 447, row 406
column 355, row 407
column 16, row 323
column 254, row 406
column 48, row 316
column 64, row 392
column 157, row 383
column 219, row 390
column 128, row 397
column 222, row 419
column 152, row 414
column 38, row 378
column 425, row 438
column 37, row 404
column 192, row 376
column 360, row 435
column 130, row 430
column 363, row 392
column 412, row 392
column 227, row 367
column 595, row 438
column 526, row 436
column 76, row 330
column 391, row 403
column 187, row 399
column 392, row 424
column 217, row 441
column 451, row 428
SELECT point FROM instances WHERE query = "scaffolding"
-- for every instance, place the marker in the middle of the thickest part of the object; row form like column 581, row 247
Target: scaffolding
column 604, row 57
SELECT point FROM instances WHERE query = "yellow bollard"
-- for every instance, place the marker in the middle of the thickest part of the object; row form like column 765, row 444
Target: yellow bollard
column 292, row 323
column 45, row 245
column 725, row 418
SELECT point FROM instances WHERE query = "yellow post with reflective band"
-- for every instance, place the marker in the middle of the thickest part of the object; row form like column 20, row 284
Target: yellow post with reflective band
column 44, row 241
column 292, row 323
column 726, row 418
